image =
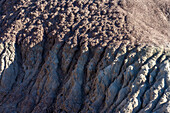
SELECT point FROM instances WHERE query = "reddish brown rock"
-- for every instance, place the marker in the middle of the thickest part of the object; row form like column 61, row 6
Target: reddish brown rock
column 84, row 56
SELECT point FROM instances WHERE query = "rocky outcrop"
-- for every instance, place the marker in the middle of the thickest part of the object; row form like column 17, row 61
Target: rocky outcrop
column 84, row 56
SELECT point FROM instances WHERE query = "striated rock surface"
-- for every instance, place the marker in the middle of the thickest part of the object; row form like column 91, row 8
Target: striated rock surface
column 70, row 56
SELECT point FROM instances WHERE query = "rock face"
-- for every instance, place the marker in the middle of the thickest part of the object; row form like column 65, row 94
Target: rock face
column 84, row 56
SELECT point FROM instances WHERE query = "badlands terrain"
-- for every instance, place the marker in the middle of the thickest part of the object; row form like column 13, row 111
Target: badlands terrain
column 84, row 56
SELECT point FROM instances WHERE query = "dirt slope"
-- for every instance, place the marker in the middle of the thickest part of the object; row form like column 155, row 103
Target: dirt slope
column 84, row 56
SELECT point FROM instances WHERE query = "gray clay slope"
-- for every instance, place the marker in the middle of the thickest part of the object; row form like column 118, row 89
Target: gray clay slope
column 70, row 56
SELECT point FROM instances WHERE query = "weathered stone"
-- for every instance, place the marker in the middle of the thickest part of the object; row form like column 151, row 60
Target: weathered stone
column 84, row 56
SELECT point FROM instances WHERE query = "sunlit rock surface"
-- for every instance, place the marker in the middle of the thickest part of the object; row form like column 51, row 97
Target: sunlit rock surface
column 70, row 56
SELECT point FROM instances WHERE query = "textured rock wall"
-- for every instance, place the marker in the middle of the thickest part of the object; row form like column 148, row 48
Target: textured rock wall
column 84, row 56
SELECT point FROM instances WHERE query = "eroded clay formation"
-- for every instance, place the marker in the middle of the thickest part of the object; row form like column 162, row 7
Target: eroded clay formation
column 84, row 56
